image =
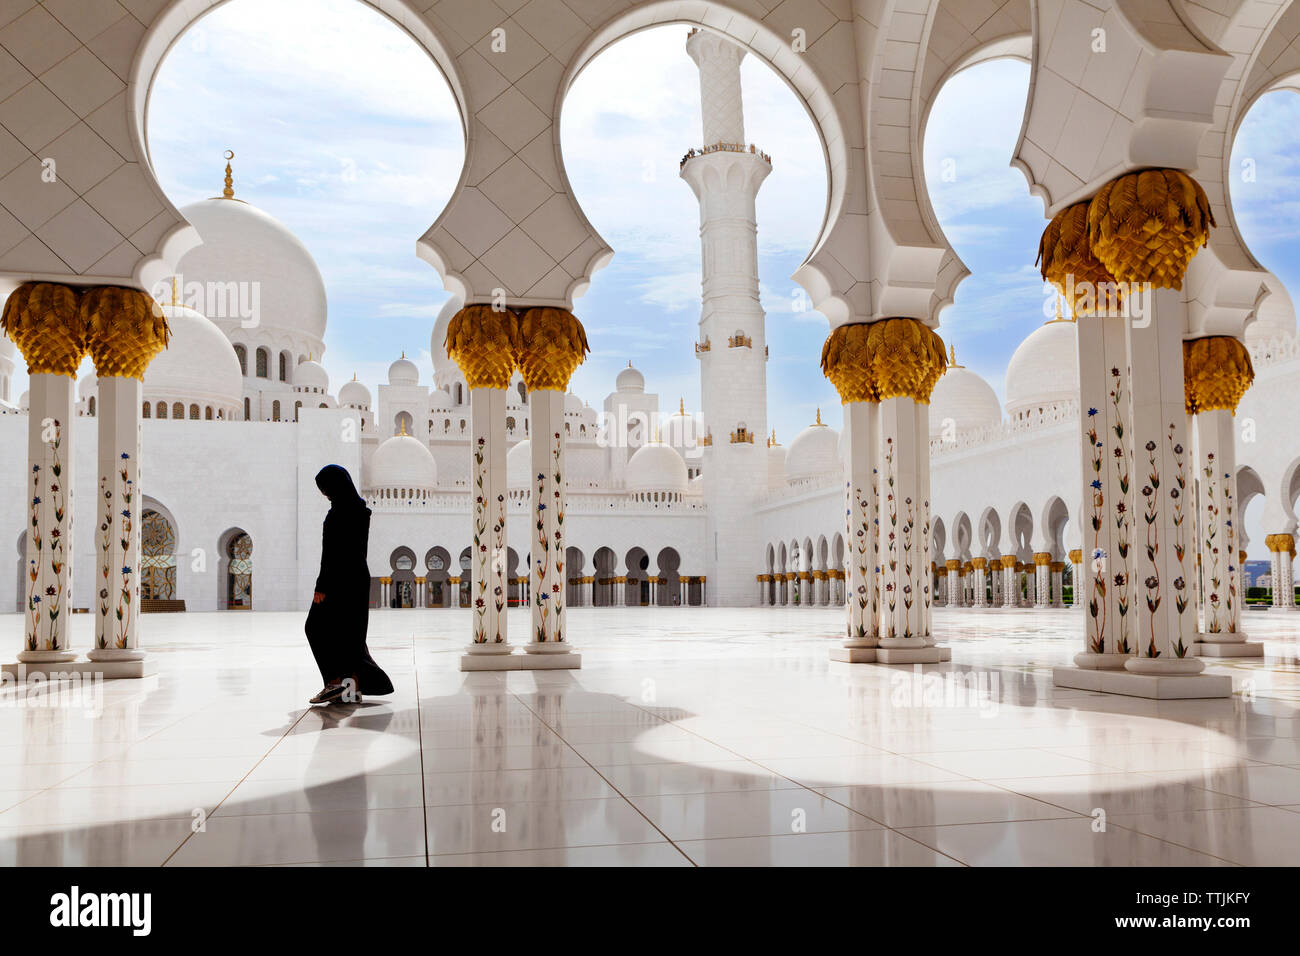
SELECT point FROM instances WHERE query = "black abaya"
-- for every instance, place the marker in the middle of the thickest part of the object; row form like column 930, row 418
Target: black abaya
column 336, row 627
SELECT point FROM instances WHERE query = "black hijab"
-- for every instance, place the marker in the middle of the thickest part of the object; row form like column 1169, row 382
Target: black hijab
column 335, row 482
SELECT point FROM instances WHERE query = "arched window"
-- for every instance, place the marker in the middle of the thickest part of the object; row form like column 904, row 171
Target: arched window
column 178, row 410
column 194, row 413
column 510, row 422
column 263, row 359
column 275, row 410
column 297, row 407
column 459, row 399
column 248, row 410
column 91, row 404
column 145, row 412
column 241, row 353
column 523, row 393
column 403, row 423
column 162, row 409
column 284, row 366
column 207, row 413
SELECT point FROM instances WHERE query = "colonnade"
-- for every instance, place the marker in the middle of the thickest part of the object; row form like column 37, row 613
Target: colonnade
column 545, row 344
column 1005, row 582
column 54, row 326
column 819, row 587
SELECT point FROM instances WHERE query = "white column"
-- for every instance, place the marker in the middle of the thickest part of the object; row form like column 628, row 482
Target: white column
column 953, row 569
column 1010, row 582
column 117, row 533
column 861, row 439
column 1217, row 526
column 49, row 483
column 977, row 576
column 547, row 549
column 1058, row 583
column 488, row 554
column 1164, row 565
column 903, row 508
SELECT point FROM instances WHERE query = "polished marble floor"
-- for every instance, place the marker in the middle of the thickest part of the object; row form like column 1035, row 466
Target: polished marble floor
column 689, row 737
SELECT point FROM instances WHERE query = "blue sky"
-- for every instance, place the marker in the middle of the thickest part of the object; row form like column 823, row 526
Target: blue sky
column 346, row 131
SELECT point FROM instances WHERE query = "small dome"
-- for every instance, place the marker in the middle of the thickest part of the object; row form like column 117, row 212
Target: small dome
column 963, row 397
column 572, row 404
column 403, row 372
column 815, row 451
column 519, row 466
column 630, row 380
column 680, row 428
column 24, row 401
column 311, row 375
column 87, row 386
column 656, row 467
column 199, row 365
column 7, row 350
column 403, row 462
column 355, row 394
column 1275, row 317
column 440, row 401
column 1044, row 369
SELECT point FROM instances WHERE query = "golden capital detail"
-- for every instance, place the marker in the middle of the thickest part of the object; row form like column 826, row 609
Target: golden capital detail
column 952, row 564
column 44, row 321
column 55, row 325
column 1066, row 261
column 1042, row 558
column 1217, row 371
column 889, row 358
column 1076, row 556
column 1009, row 561
column 483, row 343
column 1281, row 542
column 979, row 564
column 552, row 343
column 1147, row 226
column 125, row 330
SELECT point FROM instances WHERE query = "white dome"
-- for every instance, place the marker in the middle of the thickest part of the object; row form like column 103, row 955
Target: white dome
column 7, row 350
column 199, row 365
column 403, row 462
column 656, row 467
column 87, row 386
column 964, row 397
column 24, row 401
column 630, row 380
column 403, row 372
column 519, row 466
column 244, row 245
column 311, row 374
column 815, row 451
column 445, row 371
column 572, row 404
column 440, row 401
column 1044, row 369
column 354, row 393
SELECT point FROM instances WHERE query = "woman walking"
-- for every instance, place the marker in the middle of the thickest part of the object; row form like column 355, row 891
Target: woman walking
column 340, row 607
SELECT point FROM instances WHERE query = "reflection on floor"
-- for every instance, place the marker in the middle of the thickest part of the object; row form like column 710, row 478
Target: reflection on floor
column 690, row 736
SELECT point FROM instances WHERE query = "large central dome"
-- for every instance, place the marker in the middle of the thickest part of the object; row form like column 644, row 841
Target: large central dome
column 1044, row 371
column 257, row 252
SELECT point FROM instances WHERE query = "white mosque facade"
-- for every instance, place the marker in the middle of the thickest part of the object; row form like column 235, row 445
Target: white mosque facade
column 665, row 508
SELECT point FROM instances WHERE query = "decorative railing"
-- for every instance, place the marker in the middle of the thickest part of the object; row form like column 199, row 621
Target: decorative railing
column 725, row 148
column 704, row 346
column 739, row 342
column 1282, row 348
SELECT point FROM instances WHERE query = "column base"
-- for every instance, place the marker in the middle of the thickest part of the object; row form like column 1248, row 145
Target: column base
column 1240, row 649
column 908, row 650
column 534, row 657
column 116, row 654
column 105, row 670
column 1164, row 666
column 1151, row 686
column 1101, row 662
column 46, row 657
column 854, row 652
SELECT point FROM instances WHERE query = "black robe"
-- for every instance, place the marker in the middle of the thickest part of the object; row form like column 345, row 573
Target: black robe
column 336, row 627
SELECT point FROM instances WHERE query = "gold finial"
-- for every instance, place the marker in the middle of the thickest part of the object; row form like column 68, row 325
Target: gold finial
column 819, row 417
column 402, row 422
column 403, row 353
column 173, row 290
column 681, row 406
column 629, row 363
column 354, row 376
column 229, row 191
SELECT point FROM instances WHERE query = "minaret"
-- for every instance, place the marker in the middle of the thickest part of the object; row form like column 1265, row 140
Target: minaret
column 725, row 175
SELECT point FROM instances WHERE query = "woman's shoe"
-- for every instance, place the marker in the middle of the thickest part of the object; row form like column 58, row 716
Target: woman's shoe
column 328, row 694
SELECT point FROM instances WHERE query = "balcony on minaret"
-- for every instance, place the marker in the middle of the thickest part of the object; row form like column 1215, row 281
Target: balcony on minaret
column 740, row 341
column 724, row 148
column 742, row 436
column 704, row 346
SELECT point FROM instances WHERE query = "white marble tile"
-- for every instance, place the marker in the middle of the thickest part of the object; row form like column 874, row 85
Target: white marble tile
column 747, row 734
